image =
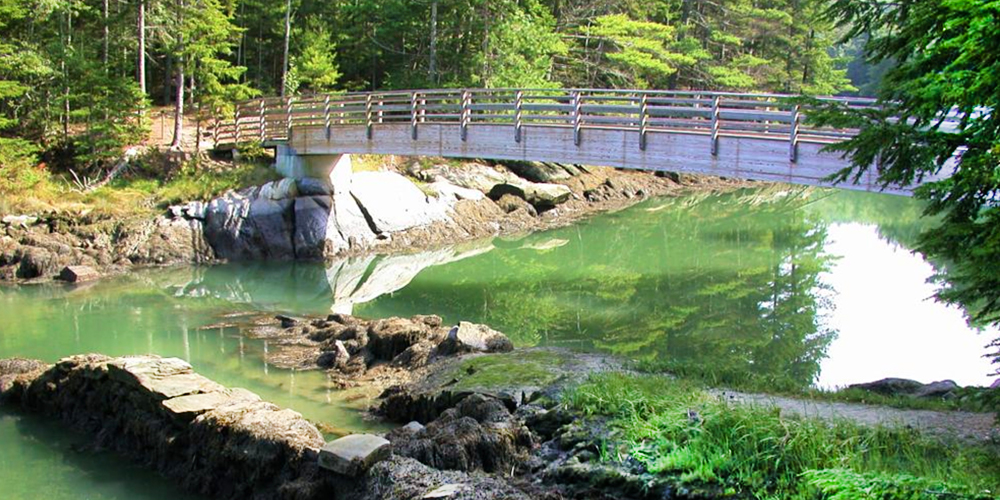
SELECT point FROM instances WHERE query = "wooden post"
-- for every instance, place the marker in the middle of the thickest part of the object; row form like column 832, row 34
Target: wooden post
column 643, row 121
column 577, row 119
column 466, row 114
column 793, row 136
column 413, row 115
column 381, row 109
column 518, row 102
column 326, row 115
column 260, row 121
column 368, row 115
column 422, row 109
column 715, row 126
column 236, row 121
column 288, row 118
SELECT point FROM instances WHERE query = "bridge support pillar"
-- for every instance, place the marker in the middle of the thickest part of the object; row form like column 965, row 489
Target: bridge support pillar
column 335, row 168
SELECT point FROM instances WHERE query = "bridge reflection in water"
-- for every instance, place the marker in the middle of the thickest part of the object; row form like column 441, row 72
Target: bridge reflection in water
column 750, row 136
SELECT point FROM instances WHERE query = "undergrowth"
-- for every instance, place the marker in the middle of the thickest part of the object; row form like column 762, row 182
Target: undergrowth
column 147, row 187
column 677, row 429
column 967, row 398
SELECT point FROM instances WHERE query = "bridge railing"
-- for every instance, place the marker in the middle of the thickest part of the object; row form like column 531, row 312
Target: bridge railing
column 717, row 114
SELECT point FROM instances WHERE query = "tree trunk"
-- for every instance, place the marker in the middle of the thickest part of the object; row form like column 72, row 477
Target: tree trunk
column 288, row 36
column 142, row 47
column 179, row 105
column 69, row 46
column 104, row 52
column 432, row 66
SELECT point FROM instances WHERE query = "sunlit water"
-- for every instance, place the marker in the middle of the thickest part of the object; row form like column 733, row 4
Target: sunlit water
column 803, row 287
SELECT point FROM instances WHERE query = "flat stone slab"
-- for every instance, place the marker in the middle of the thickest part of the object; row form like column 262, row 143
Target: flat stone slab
column 353, row 455
column 446, row 491
column 193, row 405
column 78, row 274
column 166, row 377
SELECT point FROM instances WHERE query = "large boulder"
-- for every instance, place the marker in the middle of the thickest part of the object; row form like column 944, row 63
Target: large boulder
column 939, row 389
column 353, row 455
column 392, row 203
column 890, row 386
column 479, row 433
column 248, row 226
column 312, row 226
column 541, row 196
column 472, row 337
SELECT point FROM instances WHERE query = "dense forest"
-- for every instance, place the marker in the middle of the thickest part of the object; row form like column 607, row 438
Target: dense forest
column 77, row 75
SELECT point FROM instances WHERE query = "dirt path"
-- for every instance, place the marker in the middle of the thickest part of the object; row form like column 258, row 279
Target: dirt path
column 960, row 424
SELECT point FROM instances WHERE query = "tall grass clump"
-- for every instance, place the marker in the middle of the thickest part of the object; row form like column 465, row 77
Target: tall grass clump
column 676, row 429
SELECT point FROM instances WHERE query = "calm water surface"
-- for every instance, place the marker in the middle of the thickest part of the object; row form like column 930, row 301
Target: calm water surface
column 803, row 287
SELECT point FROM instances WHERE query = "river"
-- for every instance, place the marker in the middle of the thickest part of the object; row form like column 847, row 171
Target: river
column 801, row 287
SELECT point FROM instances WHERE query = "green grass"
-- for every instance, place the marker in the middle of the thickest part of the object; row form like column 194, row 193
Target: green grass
column 679, row 430
column 140, row 194
column 497, row 371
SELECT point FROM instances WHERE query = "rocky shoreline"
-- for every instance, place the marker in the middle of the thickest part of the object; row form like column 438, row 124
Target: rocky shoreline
column 477, row 418
column 401, row 209
column 228, row 443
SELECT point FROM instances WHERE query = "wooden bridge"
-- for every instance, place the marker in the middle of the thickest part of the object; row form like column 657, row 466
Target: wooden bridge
column 750, row 136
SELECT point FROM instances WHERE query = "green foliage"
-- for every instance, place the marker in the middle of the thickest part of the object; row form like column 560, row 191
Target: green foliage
column 315, row 68
column 679, row 431
column 842, row 484
column 19, row 171
column 195, row 184
column 945, row 59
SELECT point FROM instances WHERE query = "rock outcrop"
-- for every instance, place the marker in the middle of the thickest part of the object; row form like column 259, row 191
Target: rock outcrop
column 228, row 444
column 906, row 387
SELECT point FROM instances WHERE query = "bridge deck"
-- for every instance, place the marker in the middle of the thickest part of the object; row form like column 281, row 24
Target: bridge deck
column 753, row 136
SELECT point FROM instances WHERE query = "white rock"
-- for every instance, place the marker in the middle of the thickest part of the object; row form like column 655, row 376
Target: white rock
column 393, row 203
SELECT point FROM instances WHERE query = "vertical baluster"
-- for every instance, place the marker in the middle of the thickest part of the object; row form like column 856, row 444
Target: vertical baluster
column 466, row 114
column 236, row 124
column 326, row 115
column 518, row 102
column 643, row 121
column 793, row 136
column 413, row 115
column 260, row 122
column 288, row 118
column 715, row 126
column 368, row 115
column 577, row 118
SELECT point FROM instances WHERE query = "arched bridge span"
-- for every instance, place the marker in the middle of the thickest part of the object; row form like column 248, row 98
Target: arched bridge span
column 750, row 136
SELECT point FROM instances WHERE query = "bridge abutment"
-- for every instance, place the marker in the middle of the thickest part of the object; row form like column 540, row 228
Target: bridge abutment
column 334, row 169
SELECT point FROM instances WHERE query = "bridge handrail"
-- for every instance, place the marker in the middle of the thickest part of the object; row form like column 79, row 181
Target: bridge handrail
column 719, row 114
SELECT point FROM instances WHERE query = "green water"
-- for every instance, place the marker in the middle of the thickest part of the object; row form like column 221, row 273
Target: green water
column 799, row 287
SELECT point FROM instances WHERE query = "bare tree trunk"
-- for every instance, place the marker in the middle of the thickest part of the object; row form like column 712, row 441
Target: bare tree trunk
column 179, row 105
column 69, row 45
column 104, row 53
column 432, row 67
column 288, row 36
column 142, row 47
